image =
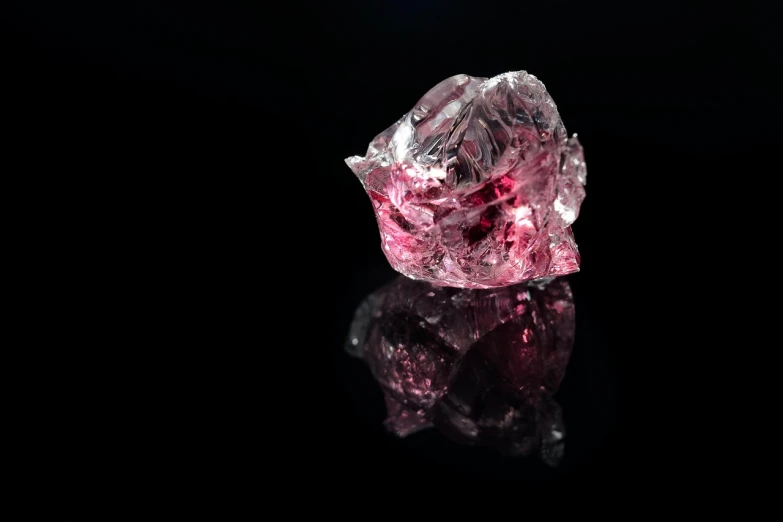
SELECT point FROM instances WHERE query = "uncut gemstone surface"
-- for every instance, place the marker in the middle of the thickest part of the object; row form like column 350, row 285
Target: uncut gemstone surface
column 478, row 185
column 480, row 366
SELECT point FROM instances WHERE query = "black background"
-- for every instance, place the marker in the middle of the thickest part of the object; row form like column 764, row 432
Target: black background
column 204, row 145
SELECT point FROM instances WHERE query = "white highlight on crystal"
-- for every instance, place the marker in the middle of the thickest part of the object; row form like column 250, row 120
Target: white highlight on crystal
column 568, row 215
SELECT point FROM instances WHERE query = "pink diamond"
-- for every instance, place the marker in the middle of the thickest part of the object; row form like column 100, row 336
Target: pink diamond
column 477, row 185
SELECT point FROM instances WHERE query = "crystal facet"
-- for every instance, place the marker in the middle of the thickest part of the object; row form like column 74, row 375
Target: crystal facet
column 479, row 365
column 477, row 185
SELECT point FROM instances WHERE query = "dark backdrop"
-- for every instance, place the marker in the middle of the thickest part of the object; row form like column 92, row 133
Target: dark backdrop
column 204, row 144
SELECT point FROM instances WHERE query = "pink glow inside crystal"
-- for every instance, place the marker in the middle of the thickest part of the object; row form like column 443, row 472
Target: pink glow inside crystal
column 477, row 185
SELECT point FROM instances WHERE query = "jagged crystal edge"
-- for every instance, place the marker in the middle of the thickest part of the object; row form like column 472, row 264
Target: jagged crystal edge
column 477, row 185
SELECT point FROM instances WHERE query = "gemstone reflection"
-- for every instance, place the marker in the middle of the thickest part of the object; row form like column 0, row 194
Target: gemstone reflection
column 481, row 366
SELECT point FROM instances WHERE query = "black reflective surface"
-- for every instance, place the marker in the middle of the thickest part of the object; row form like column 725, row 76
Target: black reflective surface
column 465, row 376
column 187, row 159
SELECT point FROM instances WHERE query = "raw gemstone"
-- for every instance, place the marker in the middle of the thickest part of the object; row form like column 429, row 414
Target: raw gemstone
column 477, row 186
column 479, row 365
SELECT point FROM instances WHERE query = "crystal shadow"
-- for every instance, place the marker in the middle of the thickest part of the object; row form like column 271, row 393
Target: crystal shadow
column 480, row 366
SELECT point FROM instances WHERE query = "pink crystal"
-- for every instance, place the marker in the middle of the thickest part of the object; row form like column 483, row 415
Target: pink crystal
column 479, row 365
column 477, row 186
